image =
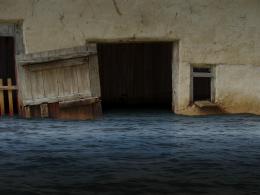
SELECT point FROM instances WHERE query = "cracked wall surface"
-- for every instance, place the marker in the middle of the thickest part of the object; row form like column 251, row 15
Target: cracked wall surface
column 225, row 33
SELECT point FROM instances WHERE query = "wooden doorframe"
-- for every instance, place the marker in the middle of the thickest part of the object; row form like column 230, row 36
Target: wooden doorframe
column 14, row 29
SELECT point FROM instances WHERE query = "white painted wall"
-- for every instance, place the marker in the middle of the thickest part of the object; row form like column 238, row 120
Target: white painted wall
column 210, row 32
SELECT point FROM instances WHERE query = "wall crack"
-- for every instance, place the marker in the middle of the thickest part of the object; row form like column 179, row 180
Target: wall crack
column 117, row 8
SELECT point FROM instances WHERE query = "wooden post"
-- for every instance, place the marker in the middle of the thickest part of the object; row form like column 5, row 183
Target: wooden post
column 2, row 104
column 44, row 110
column 10, row 97
column 27, row 112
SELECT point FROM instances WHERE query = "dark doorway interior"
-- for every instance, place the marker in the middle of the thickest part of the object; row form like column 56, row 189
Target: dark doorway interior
column 136, row 74
column 201, row 88
column 202, row 83
column 7, row 68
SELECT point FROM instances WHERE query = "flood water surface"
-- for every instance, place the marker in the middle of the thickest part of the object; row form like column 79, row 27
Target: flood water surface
column 144, row 152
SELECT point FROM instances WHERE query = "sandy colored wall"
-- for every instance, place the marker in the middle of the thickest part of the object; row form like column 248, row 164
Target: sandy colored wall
column 238, row 88
column 210, row 31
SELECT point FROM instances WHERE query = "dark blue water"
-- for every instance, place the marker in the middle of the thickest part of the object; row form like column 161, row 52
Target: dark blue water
column 148, row 152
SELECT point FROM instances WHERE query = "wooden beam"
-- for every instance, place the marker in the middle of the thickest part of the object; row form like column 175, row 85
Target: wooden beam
column 2, row 88
column 197, row 74
column 27, row 112
column 205, row 104
column 76, row 103
column 2, row 104
column 55, row 55
column 44, row 110
column 58, row 64
column 72, row 97
column 10, row 97
column 54, row 110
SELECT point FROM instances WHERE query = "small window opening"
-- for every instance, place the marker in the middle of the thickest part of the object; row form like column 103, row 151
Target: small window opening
column 202, row 84
column 201, row 89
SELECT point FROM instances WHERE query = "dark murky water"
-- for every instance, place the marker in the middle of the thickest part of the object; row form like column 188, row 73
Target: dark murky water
column 153, row 152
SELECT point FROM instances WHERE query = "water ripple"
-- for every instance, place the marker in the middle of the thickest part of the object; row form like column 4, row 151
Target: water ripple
column 131, row 153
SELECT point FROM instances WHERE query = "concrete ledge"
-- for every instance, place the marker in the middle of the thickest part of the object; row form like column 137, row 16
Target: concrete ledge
column 205, row 104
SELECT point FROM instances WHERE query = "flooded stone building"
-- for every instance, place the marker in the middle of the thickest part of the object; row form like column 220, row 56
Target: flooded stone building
column 69, row 58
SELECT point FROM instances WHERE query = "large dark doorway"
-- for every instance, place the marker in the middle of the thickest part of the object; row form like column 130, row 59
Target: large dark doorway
column 8, row 71
column 136, row 74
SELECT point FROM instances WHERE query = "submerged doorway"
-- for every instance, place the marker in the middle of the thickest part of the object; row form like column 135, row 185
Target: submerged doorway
column 8, row 93
column 136, row 75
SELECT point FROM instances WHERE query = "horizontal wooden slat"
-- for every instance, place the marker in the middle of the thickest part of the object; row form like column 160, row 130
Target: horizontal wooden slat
column 76, row 103
column 8, row 88
column 195, row 74
column 54, row 55
column 2, row 104
column 58, row 64
column 55, row 99
column 10, row 98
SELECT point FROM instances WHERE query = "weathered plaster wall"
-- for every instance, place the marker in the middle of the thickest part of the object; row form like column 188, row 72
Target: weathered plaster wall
column 238, row 88
column 210, row 31
column 213, row 31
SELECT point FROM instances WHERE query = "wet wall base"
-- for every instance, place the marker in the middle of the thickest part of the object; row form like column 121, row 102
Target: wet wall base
column 76, row 110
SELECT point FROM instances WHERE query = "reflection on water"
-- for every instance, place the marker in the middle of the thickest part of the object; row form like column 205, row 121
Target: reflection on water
column 149, row 152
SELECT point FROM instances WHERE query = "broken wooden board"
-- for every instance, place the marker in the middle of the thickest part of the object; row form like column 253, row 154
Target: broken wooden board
column 80, row 102
column 56, row 55
column 205, row 104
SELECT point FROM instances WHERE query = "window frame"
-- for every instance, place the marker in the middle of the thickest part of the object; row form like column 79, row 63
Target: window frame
column 210, row 75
